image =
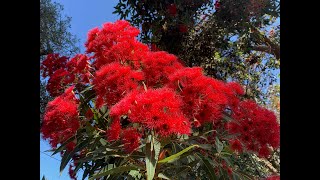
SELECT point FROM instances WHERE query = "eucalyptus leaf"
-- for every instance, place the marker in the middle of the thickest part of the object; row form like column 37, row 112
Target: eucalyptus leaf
column 207, row 167
column 116, row 170
column 177, row 155
column 68, row 155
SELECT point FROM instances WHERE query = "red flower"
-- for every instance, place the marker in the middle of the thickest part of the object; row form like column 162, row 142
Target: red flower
column 89, row 114
column 229, row 170
column 61, row 119
column 113, row 81
column 79, row 66
column 172, row 9
column 196, row 123
column 236, row 145
column 264, row 151
column 217, row 5
column 71, row 171
column 58, row 81
column 154, row 47
column 183, row 28
column 157, row 66
column 158, row 109
column 113, row 133
column 130, row 139
column 257, row 127
column 204, row 98
column 110, row 34
column 70, row 146
column 52, row 63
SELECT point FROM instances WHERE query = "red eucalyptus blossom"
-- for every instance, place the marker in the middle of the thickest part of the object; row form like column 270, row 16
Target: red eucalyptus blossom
column 52, row 63
column 61, row 119
column 183, row 28
column 158, row 110
column 130, row 139
column 257, row 128
column 113, row 81
column 72, row 174
column 157, row 66
column 172, row 9
column 79, row 65
column 113, row 133
column 205, row 99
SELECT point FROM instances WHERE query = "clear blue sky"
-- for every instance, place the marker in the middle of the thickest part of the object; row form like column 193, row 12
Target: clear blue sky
column 86, row 14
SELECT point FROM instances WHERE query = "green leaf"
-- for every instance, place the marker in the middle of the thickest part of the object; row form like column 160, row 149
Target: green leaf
column 177, row 155
column 116, row 170
column 208, row 167
column 243, row 175
column 161, row 175
column 219, row 145
column 135, row 174
column 67, row 156
column 205, row 146
column 152, row 154
column 86, row 89
column 79, row 165
column 103, row 142
column 85, row 174
column 185, row 168
column 63, row 145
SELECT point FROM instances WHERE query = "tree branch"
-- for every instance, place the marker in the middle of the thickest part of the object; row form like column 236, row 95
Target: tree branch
column 270, row 46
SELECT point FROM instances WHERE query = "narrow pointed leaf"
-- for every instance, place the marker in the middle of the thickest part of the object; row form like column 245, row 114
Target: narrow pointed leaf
column 161, row 175
column 116, row 170
column 67, row 156
column 152, row 154
column 177, row 155
column 63, row 145
column 208, row 167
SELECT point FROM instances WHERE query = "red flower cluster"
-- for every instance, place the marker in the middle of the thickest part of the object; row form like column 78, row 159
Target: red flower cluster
column 130, row 139
column 172, row 9
column 61, row 119
column 157, row 109
column 114, row 130
column 113, row 81
column 62, row 72
column 79, row 65
column 58, row 81
column 157, row 66
column 257, row 128
column 183, row 28
column 205, row 99
column 52, row 63
column 114, row 42
column 149, row 91
column 217, row 5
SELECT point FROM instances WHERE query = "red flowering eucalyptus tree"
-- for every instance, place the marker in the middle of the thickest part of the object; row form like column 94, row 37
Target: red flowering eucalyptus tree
column 122, row 110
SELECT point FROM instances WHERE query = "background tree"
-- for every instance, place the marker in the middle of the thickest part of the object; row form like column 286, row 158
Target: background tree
column 232, row 40
column 54, row 38
column 54, row 30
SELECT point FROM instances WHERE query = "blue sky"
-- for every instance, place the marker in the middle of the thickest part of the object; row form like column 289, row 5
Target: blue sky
column 86, row 14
